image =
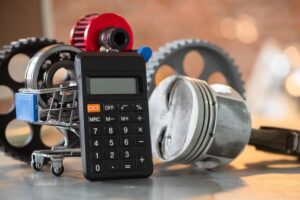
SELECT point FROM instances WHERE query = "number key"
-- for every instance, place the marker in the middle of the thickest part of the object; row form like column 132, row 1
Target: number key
column 95, row 131
column 111, row 142
column 126, row 141
column 97, row 167
column 110, row 130
column 112, row 155
column 96, row 143
column 125, row 129
column 127, row 154
column 97, row 155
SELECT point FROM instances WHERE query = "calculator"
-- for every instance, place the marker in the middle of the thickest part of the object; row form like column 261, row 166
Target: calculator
column 114, row 117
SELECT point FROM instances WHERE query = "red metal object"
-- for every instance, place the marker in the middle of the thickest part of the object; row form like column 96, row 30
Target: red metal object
column 85, row 32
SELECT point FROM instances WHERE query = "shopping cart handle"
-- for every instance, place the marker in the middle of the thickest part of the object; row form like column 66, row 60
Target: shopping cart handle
column 26, row 107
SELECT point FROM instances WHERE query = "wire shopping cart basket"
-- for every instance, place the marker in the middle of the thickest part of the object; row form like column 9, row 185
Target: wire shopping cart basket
column 55, row 107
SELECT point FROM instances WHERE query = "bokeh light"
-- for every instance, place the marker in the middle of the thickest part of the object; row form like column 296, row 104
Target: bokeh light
column 292, row 83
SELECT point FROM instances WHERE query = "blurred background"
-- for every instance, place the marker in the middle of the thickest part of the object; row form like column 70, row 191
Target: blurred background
column 261, row 36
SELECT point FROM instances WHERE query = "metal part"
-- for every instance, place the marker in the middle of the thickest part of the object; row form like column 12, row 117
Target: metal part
column 66, row 119
column 56, row 157
column 56, row 102
column 29, row 47
column 42, row 68
column 276, row 140
column 114, row 38
column 64, row 116
column 97, row 31
column 215, row 60
column 192, row 122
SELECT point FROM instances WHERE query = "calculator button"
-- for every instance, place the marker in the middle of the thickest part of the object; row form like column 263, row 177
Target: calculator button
column 109, row 118
column 124, row 107
column 139, row 107
column 128, row 166
column 111, row 142
column 126, row 141
column 98, row 167
column 113, row 166
column 142, row 160
column 140, row 141
column 97, row 131
column 96, row 143
column 110, row 130
column 139, row 129
column 109, row 107
column 94, row 118
column 126, row 129
column 93, row 108
column 127, row 154
column 125, row 118
column 112, row 155
column 139, row 117
column 97, row 155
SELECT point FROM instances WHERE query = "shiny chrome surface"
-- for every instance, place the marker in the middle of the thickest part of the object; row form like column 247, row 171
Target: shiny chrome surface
column 192, row 122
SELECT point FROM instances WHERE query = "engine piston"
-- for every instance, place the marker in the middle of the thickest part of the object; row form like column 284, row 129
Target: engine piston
column 193, row 122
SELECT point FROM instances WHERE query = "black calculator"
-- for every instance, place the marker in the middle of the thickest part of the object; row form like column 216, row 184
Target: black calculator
column 114, row 117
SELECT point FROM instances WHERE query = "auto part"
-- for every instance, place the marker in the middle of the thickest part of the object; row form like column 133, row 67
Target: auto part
column 194, row 58
column 52, row 67
column 192, row 122
column 27, row 48
column 102, row 31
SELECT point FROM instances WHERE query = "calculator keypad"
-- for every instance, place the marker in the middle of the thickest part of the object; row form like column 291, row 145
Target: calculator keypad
column 118, row 141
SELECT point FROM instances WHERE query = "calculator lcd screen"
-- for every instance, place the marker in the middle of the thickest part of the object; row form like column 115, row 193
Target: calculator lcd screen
column 98, row 86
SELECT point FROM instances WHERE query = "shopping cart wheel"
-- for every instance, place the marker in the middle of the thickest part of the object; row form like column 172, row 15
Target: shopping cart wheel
column 36, row 165
column 57, row 171
column 57, row 167
column 37, row 161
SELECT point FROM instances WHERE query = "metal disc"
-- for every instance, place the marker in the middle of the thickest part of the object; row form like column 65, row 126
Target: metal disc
column 28, row 47
column 215, row 60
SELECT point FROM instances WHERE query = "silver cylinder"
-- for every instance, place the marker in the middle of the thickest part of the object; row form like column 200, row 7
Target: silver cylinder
column 192, row 122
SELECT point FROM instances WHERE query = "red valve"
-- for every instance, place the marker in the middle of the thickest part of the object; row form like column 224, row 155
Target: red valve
column 105, row 30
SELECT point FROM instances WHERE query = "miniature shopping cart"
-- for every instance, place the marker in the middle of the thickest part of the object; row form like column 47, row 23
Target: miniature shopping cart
column 55, row 107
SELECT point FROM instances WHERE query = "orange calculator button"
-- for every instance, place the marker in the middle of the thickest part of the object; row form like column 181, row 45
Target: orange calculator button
column 93, row 108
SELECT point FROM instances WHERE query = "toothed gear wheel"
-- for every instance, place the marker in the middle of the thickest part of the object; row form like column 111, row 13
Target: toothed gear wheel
column 85, row 33
column 215, row 60
column 29, row 47
column 77, row 33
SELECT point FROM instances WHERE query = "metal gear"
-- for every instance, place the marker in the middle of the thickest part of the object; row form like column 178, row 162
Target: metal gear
column 29, row 47
column 215, row 60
